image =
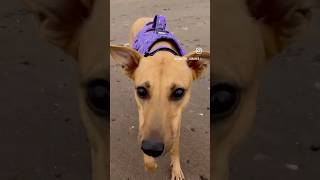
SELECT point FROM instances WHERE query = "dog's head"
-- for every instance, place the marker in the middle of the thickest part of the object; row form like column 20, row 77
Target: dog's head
column 246, row 35
column 162, row 89
column 79, row 27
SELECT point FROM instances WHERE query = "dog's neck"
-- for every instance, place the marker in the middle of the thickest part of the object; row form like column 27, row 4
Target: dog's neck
column 163, row 44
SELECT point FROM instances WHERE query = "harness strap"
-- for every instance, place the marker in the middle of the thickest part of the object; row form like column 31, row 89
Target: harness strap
column 161, row 48
column 154, row 32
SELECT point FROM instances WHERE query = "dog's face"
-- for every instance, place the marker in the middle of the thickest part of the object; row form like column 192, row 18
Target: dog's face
column 79, row 28
column 162, row 89
column 247, row 33
column 162, row 86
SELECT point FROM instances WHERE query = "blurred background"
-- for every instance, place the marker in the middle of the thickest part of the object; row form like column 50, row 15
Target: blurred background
column 41, row 135
column 285, row 141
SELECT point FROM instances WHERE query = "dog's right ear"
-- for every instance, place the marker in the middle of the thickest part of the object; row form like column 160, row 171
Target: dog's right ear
column 282, row 21
column 198, row 62
column 60, row 20
column 127, row 57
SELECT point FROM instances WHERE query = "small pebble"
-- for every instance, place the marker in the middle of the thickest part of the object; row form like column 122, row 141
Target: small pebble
column 292, row 167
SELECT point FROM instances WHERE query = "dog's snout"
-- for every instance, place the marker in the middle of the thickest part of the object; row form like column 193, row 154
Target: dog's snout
column 152, row 148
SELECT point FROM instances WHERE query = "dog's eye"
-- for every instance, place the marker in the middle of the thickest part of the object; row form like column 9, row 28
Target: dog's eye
column 225, row 99
column 97, row 96
column 177, row 94
column 142, row 92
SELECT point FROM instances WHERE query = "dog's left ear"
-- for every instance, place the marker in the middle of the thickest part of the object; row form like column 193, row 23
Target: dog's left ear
column 127, row 57
column 60, row 21
column 282, row 21
column 198, row 62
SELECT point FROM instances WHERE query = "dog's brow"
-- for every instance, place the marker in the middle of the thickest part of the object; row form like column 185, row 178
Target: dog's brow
column 175, row 86
column 145, row 84
column 236, row 83
column 99, row 74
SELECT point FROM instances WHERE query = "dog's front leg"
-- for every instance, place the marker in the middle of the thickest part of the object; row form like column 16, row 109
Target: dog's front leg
column 176, row 172
column 150, row 164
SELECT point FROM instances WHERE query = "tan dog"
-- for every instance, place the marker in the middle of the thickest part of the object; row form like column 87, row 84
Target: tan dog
column 247, row 33
column 79, row 27
column 162, row 90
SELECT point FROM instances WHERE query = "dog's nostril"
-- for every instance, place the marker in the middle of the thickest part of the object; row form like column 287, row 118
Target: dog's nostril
column 152, row 148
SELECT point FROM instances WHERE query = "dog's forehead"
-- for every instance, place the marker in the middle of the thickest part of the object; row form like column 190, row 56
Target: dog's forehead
column 237, row 43
column 168, row 70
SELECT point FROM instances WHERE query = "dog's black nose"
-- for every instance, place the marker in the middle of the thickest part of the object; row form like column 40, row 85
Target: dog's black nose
column 152, row 148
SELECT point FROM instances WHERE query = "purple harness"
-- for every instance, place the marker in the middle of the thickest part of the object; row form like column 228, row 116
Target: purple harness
column 154, row 32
